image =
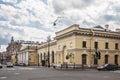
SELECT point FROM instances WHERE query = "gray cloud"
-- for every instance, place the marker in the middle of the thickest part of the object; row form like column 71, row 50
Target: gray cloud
column 60, row 6
column 2, row 18
column 28, row 14
column 5, row 40
column 111, row 17
column 7, row 33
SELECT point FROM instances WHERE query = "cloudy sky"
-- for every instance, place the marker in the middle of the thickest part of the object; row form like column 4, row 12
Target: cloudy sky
column 33, row 19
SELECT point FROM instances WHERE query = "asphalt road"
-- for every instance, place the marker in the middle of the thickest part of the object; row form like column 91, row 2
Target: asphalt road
column 33, row 73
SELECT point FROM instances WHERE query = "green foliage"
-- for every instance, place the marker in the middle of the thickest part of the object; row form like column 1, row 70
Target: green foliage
column 68, row 56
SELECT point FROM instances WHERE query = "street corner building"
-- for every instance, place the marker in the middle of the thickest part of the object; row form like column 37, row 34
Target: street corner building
column 88, row 46
column 73, row 45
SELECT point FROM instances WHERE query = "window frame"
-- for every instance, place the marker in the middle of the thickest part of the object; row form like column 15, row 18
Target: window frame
column 106, row 45
column 116, row 46
column 84, row 44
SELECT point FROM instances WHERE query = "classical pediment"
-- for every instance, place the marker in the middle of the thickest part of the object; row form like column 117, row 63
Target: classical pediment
column 23, row 47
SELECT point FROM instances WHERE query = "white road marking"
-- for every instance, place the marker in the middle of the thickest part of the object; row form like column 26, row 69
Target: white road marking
column 117, row 71
column 17, row 73
column 19, row 68
column 105, row 76
column 3, row 77
column 26, row 68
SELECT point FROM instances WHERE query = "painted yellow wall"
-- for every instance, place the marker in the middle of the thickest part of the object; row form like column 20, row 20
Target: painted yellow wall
column 73, row 44
column 33, row 58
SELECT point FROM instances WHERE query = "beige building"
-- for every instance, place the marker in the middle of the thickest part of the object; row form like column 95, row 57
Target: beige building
column 79, row 45
column 11, row 51
column 28, row 55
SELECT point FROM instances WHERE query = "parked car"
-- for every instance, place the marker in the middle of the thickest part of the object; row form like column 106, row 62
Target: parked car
column 9, row 64
column 22, row 64
column 1, row 66
column 107, row 67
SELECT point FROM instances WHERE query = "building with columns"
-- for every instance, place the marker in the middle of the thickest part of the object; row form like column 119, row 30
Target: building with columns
column 27, row 55
column 21, row 51
column 79, row 45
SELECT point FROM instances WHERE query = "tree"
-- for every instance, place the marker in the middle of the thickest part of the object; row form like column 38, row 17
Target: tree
column 68, row 56
column 97, row 54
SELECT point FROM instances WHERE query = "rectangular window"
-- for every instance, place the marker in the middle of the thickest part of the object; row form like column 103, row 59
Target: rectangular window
column 84, row 44
column 106, row 45
column 96, row 45
column 116, row 45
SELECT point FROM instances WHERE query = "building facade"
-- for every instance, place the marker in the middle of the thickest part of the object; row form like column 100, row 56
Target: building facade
column 11, row 50
column 28, row 55
column 3, row 57
column 91, row 47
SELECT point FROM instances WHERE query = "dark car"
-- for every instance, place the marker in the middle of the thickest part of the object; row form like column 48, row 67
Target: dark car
column 1, row 66
column 22, row 64
column 107, row 67
column 9, row 64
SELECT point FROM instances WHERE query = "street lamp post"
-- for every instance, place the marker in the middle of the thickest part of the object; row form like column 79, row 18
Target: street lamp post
column 2, row 58
column 28, row 55
column 37, row 55
column 38, row 59
column 91, row 47
column 48, row 40
column 16, row 55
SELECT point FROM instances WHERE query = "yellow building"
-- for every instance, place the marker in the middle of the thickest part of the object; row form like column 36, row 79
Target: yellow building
column 28, row 55
column 81, row 45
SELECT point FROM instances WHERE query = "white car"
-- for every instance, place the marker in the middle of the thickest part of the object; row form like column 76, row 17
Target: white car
column 9, row 64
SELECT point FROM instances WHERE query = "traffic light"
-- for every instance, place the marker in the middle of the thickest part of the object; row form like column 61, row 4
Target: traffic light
column 96, row 55
column 99, row 55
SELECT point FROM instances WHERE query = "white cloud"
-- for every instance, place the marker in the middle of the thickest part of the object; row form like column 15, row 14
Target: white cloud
column 33, row 19
column 88, row 13
column 3, row 48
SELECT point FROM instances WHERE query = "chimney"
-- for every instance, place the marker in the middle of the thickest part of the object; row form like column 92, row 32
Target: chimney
column 106, row 27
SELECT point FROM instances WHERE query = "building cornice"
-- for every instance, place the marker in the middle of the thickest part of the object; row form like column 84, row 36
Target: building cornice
column 93, row 33
column 53, row 42
column 92, row 50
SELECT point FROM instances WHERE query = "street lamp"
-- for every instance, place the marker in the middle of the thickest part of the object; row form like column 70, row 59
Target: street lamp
column 37, row 55
column 16, row 55
column 91, row 46
column 28, row 55
column 48, row 40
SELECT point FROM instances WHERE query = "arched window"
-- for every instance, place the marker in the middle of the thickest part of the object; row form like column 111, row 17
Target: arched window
column 84, row 58
column 116, row 59
column 52, row 56
column 41, row 56
column 106, row 59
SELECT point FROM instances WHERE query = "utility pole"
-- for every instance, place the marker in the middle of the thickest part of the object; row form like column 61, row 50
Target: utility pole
column 28, row 55
column 91, row 47
column 37, row 55
column 48, row 40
